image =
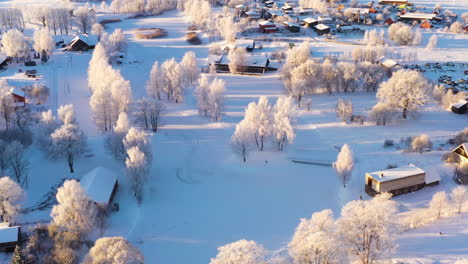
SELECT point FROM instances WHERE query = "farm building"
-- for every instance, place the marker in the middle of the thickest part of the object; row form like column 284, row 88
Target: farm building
column 388, row 63
column 325, row 20
column 83, row 43
column 287, row 9
column 310, row 22
column 3, row 60
column 305, row 11
column 247, row 44
column 397, row 181
column 426, row 24
column 269, row 3
column 253, row 15
column 416, row 16
column 255, row 64
column 394, row 2
column 389, row 21
column 358, row 11
column 100, row 185
column 459, row 107
column 267, row 27
column 19, row 97
column 344, row 28
column 274, row 14
column 462, row 152
column 293, row 27
column 322, row 29
column 9, row 237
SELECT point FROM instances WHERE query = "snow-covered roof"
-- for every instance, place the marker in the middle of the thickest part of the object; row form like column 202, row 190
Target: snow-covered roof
column 309, row 20
column 267, row 23
column 240, row 6
column 432, row 177
column 389, row 63
column 275, row 13
column 324, row 18
column 3, row 57
column 417, row 15
column 362, row 11
column 291, row 24
column 394, row 1
column 322, row 27
column 4, row 225
column 9, row 234
column 251, row 60
column 396, row 173
column 460, row 103
column 345, row 28
column 245, row 43
column 17, row 92
column 99, row 184
column 91, row 40
column 252, row 13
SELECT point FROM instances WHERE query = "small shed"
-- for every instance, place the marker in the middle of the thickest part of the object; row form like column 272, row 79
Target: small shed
column 460, row 107
column 247, row 44
column 389, row 21
column 293, row 27
column 322, row 29
column 344, row 28
column 83, row 43
column 462, row 152
column 397, row 181
column 3, row 60
column 9, row 237
column 253, row 15
column 19, row 96
column 100, row 185
column 325, row 20
column 310, row 22
column 267, row 27
column 426, row 24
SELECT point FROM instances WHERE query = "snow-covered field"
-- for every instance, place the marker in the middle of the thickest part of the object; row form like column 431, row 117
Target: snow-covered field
column 201, row 195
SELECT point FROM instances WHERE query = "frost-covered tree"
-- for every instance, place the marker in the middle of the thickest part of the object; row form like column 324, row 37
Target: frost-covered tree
column 66, row 114
column 4, row 158
column 117, row 43
column 228, row 29
column 11, row 198
column 260, row 117
column 69, row 142
column 456, row 27
column 18, row 164
column 7, row 104
column 459, row 196
column 84, row 17
column 15, row 44
column 438, row 203
column 438, row 92
column 308, row 104
column 202, row 95
column 237, row 60
column 315, row 240
column 18, row 256
column 47, row 125
column 216, row 98
column 189, row 67
column 344, row 164
column 173, row 80
column 242, row 140
column 344, row 110
column 381, row 114
column 137, row 170
column 198, row 11
column 421, row 143
column 374, row 38
column 74, row 213
column 154, row 85
column 283, row 120
column 97, row 29
column 148, row 113
column 240, row 252
column 11, row 18
column 372, row 74
column 432, row 44
column 367, row 228
column 298, row 55
column 136, row 137
column 395, row 91
column 115, row 250
column 402, row 34
column 114, row 141
column 43, row 43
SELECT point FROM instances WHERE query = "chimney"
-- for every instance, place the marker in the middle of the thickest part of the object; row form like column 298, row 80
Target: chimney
column 381, row 175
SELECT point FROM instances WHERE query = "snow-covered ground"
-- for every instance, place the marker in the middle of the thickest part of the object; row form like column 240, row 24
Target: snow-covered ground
column 201, row 196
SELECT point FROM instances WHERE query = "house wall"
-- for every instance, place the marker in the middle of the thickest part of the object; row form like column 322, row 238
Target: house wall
column 401, row 183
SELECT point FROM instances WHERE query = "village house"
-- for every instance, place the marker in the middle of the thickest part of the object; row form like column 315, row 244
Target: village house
column 100, row 185
column 344, row 28
column 247, row 44
column 322, row 29
column 394, row 2
column 416, row 16
column 459, row 107
column 325, row 20
column 310, row 22
column 292, row 27
column 398, row 181
column 258, row 63
column 267, row 26
column 462, row 152
column 4, row 59
column 253, row 15
column 82, row 43
column 426, row 24
column 9, row 237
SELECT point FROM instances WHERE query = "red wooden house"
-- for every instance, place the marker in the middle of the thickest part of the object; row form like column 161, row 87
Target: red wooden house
column 389, row 21
column 267, row 27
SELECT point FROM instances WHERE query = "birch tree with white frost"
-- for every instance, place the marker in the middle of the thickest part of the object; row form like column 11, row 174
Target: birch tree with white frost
column 283, row 120
column 395, row 92
column 11, row 198
column 148, row 113
column 216, row 98
column 7, row 104
column 137, row 170
column 344, row 110
column 438, row 204
column 202, row 94
column 74, row 213
column 459, row 196
column 189, row 67
column 240, row 252
column 242, row 140
column 344, row 164
column 138, row 138
column 43, row 43
column 237, row 60
column 114, row 141
column 15, row 45
column 84, row 18
column 115, row 250
column 315, row 240
column 173, row 80
column 154, row 86
column 260, row 117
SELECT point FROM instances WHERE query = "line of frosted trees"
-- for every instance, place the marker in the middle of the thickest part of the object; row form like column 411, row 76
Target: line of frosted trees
column 364, row 233
column 263, row 123
column 75, row 219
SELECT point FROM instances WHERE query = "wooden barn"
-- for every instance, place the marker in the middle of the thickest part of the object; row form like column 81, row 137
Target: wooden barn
column 292, row 27
column 389, row 21
column 100, row 185
column 267, row 27
column 9, row 237
column 254, row 64
column 417, row 16
column 397, row 181
column 462, row 152
column 82, row 43
column 322, row 29
column 459, row 107
column 310, row 22
column 19, row 97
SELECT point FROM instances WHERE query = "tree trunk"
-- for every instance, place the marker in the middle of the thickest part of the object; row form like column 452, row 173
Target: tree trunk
column 405, row 111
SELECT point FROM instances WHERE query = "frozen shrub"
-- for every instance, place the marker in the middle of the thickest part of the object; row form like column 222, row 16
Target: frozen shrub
column 381, row 114
column 438, row 92
column 344, row 110
column 464, row 16
column 421, row 143
column 388, row 143
column 461, row 137
column 456, row 27
column 450, row 98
